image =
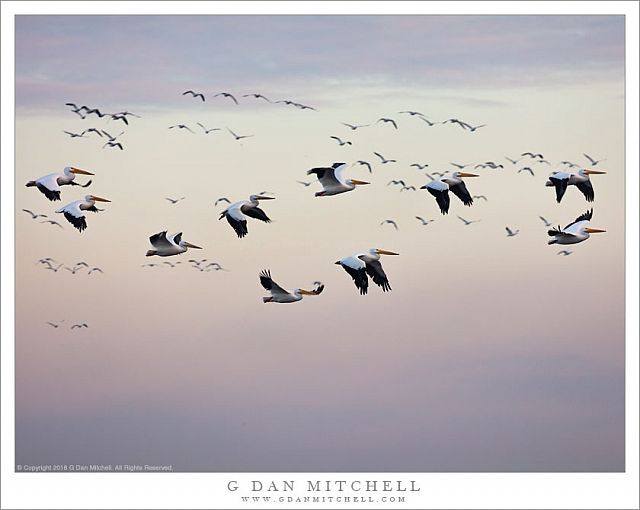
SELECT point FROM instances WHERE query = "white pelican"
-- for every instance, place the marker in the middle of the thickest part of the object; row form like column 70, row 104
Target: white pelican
column 574, row 232
column 368, row 263
column 49, row 185
column 580, row 179
column 237, row 213
column 165, row 246
column 280, row 295
column 440, row 189
column 332, row 180
column 74, row 212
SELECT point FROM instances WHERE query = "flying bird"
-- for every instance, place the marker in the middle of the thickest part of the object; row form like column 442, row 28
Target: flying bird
column 117, row 116
column 340, row 141
column 461, row 167
column 207, row 131
column 363, row 163
column 353, row 127
column 368, row 263
column 526, row 169
column 545, row 221
column 407, row 188
column 194, row 94
column 280, row 295
column 473, row 128
column 564, row 252
column 34, row 215
column 222, row 199
column 53, row 222
column 419, row 166
column 94, row 270
column 383, row 160
column 480, row 197
column 467, row 222
column 423, row 221
column 511, row 233
column 111, row 143
column 512, row 161
column 49, row 185
column 257, row 96
column 579, row 179
column 333, row 181
column 453, row 182
column 174, row 200
column 238, row 212
column 532, row 155
column 390, row 222
column 111, row 138
column 429, row 123
column 387, row 120
column 53, row 324
column 171, row 264
column 93, row 130
column 74, row 212
column 75, row 135
column 226, row 94
column 304, row 183
column 412, row 113
column 575, row 232
column 239, row 137
column 166, row 246
column 80, row 326
column 182, row 126
column 396, row 182
column 593, row 162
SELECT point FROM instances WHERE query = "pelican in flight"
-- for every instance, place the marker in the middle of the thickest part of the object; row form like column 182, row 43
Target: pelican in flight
column 574, row 232
column 237, row 213
column 49, row 185
column 280, row 295
column 74, row 212
column 332, row 180
column 511, row 233
column 368, row 263
column 439, row 188
column 165, row 246
column 579, row 179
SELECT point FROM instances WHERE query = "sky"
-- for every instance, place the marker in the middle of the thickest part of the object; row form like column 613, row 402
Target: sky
column 489, row 354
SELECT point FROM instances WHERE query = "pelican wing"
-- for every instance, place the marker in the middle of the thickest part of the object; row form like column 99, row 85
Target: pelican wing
column 357, row 270
column 440, row 191
column 48, row 186
column 460, row 190
column 268, row 283
column 74, row 215
column 253, row 211
column 560, row 183
column 160, row 241
column 377, row 274
column 236, row 219
column 587, row 190
column 176, row 238
column 583, row 217
column 328, row 177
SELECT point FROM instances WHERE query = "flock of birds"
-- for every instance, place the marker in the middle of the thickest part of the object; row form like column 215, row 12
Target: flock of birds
column 362, row 266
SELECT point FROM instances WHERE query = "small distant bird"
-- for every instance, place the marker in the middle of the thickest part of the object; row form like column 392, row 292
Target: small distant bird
column 171, row 264
column 150, row 265
column 111, row 138
column 304, row 107
column 94, row 270
column 564, row 252
column 215, row 267
column 74, row 269
column 76, row 109
column 480, row 197
column 462, row 124
column 467, row 222
column 543, row 161
column 532, row 155
column 526, row 169
column 396, row 182
column 458, row 165
column 182, row 126
column 116, row 116
column 419, row 166
column 305, row 184
column 125, row 113
column 222, row 199
column 593, row 162
column 46, row 260
column 75, row 135
column 353, row 127
column 341, row 142
column 53, row 324
column 408, row 188
column 174, row 200
column 383, row 160
column 364, row 163
column 391, row 222
column 194, row 94
column 286, row 101
column 512, row 161
column 239, row 137
column 429, row 123
column 280, row 295
column 544, row 220
column 113, row 144
column 511, row 233
column 93, row 130
column 227, row 94
column 54, row 269
column 257, row 96
column 387, row 120
column 473, row 128
column 80, row 326
column 53, row 222
column 207, row 131
column 98, row 112
column 34, row 215
column 569, row 164
column 423, row 221
column 412, row 113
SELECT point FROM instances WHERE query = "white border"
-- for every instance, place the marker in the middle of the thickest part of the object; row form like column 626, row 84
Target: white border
column 209, row 490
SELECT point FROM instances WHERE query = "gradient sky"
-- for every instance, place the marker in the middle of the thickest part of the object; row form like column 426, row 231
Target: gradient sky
column 490, row 354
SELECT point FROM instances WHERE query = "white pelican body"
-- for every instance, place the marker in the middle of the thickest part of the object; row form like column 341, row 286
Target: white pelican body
column 580, row 179
column 333, row 181
column 237, row 213
column 280, row 295
column 574, row 232
column 440, row 188
column 49, row 185
column 165, row 246
column 368, row 263
column 74, row 212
